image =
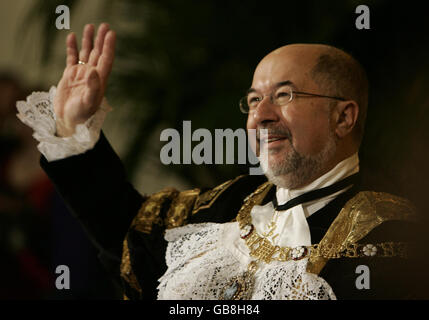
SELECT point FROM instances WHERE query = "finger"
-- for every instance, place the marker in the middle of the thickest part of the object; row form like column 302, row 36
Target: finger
column 105, row 62
column 93, row 88
column 71, row 49
column 70, row 73
column 87, row 41
column 102, row 31
column 80, row 72
column 98, row 45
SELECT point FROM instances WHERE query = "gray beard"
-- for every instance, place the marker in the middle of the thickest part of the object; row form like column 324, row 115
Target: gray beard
column 296, row 169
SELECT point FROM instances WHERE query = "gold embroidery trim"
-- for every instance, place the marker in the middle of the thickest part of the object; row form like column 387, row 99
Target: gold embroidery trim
column 126, row 269
column 180, row 208
column 148, row 215
column 206, row 199
column 359, row 250
column 150, row 210
column 358, row 218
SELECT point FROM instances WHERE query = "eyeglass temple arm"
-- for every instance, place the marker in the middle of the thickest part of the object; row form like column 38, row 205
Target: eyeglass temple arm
column 319, row 95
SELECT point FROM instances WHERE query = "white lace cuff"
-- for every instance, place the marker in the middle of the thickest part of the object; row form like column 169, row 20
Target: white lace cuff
column 38, row 113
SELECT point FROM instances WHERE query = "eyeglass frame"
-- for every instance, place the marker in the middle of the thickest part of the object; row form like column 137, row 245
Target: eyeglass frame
column 271, row 95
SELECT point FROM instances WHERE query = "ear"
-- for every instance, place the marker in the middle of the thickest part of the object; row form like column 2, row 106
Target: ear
column 346, row 115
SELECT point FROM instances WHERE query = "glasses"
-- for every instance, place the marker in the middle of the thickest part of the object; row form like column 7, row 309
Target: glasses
column 280, row 97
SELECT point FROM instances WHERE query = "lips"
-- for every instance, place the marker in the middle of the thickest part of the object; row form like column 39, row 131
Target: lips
column 272, row 138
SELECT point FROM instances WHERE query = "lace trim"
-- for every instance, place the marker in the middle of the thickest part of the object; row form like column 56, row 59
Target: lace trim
column 38, row 113
column 199, row 266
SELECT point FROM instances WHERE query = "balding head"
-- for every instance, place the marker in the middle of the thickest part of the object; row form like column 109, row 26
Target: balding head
column 341, row 75
column 315, row 131
column 336, row 72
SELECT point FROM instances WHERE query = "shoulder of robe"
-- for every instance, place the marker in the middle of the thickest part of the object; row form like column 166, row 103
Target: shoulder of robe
column 361, row 215
column 368, row 210
column 170, row 208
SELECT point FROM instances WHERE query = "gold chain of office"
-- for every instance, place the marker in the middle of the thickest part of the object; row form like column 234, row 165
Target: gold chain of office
column 263, row 250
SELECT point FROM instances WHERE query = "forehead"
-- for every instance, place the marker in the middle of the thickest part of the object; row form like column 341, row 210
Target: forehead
column 290, row 64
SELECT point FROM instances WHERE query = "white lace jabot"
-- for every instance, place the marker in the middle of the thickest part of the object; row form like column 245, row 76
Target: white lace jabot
column 202, row 258
column 38, row 113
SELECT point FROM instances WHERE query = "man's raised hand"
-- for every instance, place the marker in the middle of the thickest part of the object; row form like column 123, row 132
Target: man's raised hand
column 82, row 86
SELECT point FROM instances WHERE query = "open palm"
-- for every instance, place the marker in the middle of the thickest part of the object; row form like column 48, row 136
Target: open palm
column 82, row 86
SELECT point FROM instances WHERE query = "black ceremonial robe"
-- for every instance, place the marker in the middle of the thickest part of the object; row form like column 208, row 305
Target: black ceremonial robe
column 128, row 228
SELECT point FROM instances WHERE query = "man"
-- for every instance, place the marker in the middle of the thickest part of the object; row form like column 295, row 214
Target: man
column 306, row 233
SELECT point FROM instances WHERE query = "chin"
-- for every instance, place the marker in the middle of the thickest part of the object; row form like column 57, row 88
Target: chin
column 278, row 172
column 283, row 181
column 292, row 170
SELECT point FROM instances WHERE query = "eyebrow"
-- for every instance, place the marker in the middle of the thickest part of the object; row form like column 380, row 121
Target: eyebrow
column 277, row 85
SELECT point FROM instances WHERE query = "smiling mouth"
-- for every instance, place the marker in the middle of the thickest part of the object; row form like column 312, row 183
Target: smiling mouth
column 275, row 139
column 271, row 139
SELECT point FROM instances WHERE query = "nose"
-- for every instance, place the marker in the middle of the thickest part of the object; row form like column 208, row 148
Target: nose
column 266, row 111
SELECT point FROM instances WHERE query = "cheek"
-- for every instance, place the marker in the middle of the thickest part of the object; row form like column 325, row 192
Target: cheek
column 310, row 129
column 251, row 123
column 251, row 126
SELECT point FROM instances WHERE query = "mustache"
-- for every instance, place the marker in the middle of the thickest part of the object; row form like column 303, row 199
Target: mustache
column 272, row 130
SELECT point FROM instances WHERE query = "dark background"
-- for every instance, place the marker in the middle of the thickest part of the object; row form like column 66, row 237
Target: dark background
column 194, row 59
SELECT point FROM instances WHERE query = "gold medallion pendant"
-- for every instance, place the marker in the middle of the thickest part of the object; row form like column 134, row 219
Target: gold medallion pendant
column 240, row 287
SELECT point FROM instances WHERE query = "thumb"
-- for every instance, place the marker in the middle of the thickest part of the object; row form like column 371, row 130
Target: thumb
column 93, row 85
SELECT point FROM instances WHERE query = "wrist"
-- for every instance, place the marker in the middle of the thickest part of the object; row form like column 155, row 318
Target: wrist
column 62, row 130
